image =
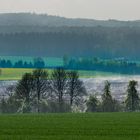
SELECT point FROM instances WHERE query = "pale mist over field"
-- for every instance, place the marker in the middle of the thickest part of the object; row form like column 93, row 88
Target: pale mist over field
column 95, row 9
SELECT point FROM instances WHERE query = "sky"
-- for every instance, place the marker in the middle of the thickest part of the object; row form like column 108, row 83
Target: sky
column 93, row 9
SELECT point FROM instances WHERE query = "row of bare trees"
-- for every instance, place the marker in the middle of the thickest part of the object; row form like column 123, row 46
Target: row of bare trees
column 56, row 86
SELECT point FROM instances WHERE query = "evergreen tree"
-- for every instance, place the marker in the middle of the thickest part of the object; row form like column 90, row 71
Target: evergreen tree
column 132, row 101
column 92, row 104
column 107, row 101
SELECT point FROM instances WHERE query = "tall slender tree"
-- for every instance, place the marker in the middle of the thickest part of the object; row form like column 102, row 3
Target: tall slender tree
column 41, row 84
column 132, row 101
column 59, row 84
column 75, row 86
column 107, row 101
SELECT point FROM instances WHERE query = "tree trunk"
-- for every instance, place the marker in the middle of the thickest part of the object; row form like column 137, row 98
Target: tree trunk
column 71, row 100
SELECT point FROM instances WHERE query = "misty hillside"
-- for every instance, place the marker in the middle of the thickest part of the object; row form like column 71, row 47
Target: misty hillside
column 75, row 42
column 27, row 19
column 51, row 36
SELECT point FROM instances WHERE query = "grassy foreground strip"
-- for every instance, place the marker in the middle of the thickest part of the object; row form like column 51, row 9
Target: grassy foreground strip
column 16, row 73
column 98, row 126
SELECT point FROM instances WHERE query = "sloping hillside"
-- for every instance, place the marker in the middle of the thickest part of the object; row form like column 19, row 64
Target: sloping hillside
column 27, row 19
column 26, row 34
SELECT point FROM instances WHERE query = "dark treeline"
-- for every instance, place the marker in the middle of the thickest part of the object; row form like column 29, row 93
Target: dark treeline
column 117, row 65
column 37, row 63
column 62, row 91
column 96, row 64
column 103, row 42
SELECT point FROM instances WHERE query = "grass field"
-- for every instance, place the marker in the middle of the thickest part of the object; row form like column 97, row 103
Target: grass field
column 16, row 73
column 98, row 126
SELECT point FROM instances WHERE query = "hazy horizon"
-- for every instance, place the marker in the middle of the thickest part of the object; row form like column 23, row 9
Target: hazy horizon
column 91, row 9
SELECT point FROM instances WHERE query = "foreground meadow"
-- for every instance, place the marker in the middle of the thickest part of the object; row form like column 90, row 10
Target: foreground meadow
column 98, row 126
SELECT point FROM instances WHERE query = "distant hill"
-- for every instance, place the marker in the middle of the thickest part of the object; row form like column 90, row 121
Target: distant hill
column 26, row 34
column 27, row 19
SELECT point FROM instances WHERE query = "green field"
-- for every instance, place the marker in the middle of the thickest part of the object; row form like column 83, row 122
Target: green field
column 13, row 73
column 16, row 73
column 98, row 126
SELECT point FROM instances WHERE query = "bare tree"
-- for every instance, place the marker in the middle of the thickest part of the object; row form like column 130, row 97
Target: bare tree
column 75, row 86
column 40, row 77
column 24, row 87
column 59, row 84
column 24, row 92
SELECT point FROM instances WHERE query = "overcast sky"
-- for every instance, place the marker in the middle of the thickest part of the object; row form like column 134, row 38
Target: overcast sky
column 95, row 9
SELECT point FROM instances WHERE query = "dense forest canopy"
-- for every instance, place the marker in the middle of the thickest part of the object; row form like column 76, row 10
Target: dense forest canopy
column 103, row 42
column 42, row 35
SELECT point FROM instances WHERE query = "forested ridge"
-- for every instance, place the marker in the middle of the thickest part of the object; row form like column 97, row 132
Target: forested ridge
column 103, row 42
column 34, row 35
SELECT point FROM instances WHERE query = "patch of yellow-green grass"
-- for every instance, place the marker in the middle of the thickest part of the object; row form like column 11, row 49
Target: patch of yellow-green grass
column 13, row 73
column 16, row 73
